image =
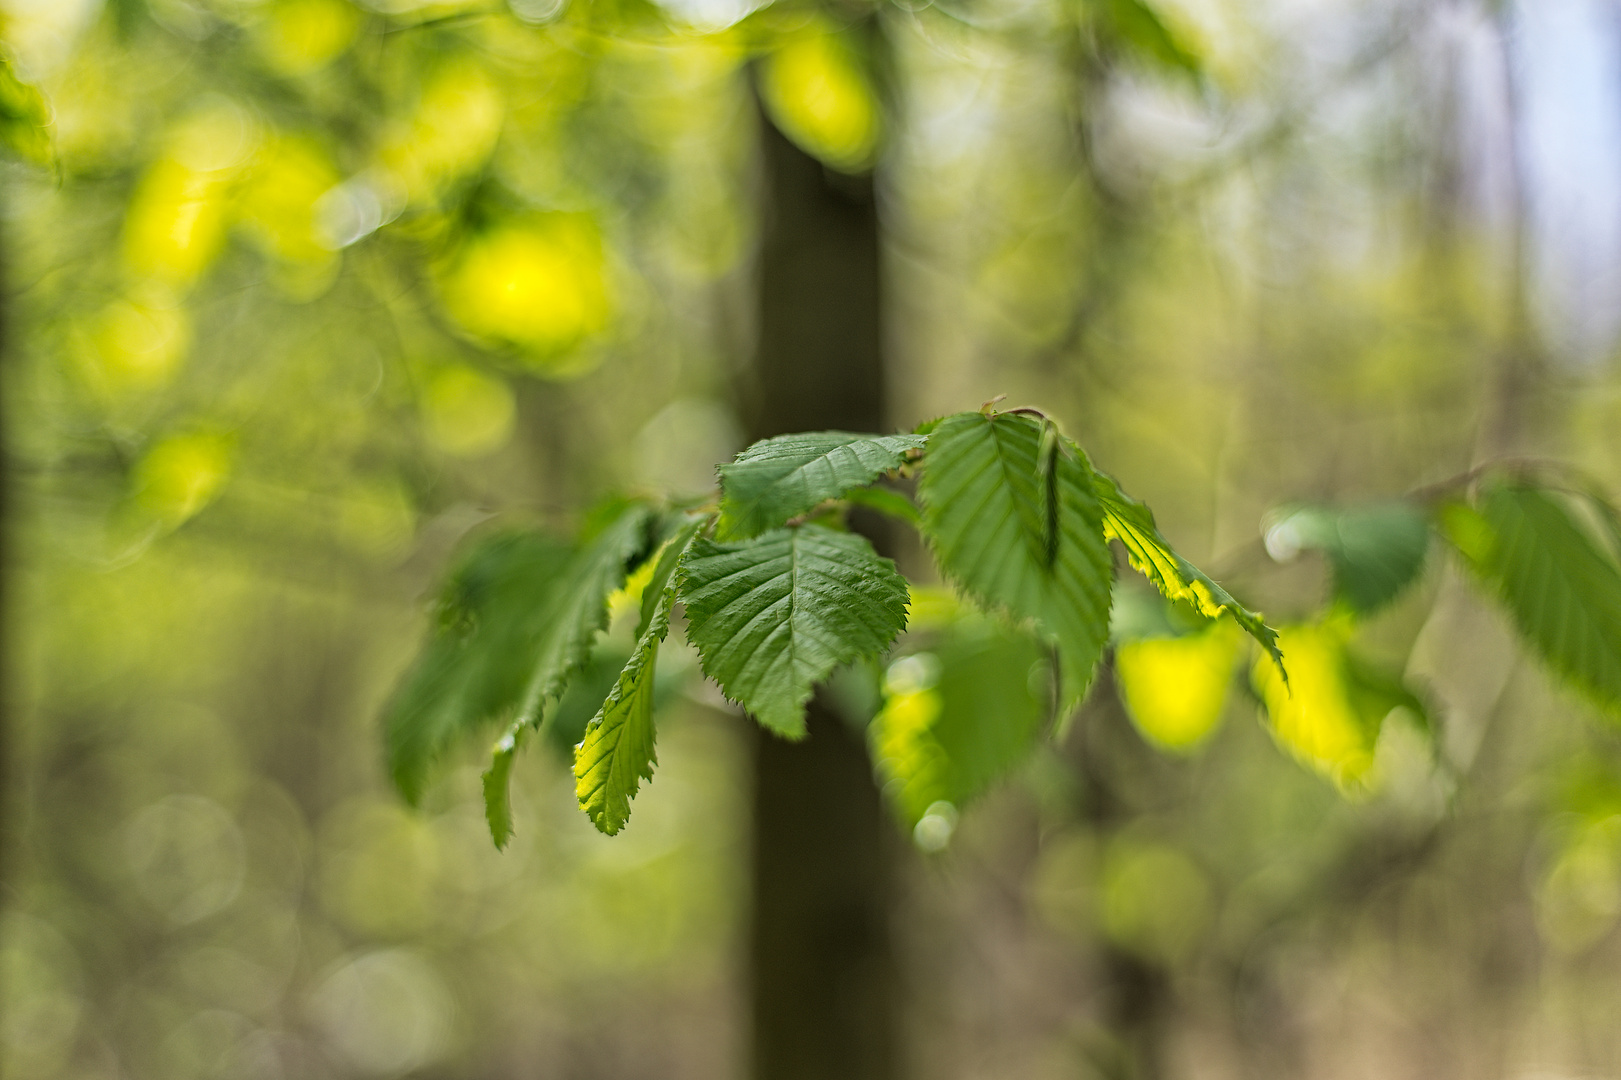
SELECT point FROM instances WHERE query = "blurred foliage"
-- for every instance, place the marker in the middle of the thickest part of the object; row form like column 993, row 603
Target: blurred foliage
column 310, row 289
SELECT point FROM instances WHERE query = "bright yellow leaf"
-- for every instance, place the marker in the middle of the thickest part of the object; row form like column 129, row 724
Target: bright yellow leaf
column 1175, row 688
column 1314, row 716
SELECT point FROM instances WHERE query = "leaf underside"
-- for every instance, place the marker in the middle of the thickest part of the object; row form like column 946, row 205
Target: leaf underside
column 777, row 479
column 773, row 616
column 1564, row 594
column 616, row 753
column 1010, row 511
column 1132, row 524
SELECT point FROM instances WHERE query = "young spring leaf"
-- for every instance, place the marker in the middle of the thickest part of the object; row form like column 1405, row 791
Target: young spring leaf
column 958, row 718
column 773, row 616
column 1009, row 508
column 616, row 753
column 516, row 619
column 776, row 479
column 1132, row 523
column 1563, row 592
column 1374, row 551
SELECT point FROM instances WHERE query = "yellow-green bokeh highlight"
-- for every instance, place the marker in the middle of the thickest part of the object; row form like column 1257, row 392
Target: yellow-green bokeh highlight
column 906, row 750
column 466, row 412
column 300, row 36
column 1175, row 688
column 450, row 133
column 181, row 474
column 1153, row 900
column 818, row 92
column 1313, row 715
column 276, row 202
column 538, row 283
column 135, row 343
column 1578, row 899
column 177, row 220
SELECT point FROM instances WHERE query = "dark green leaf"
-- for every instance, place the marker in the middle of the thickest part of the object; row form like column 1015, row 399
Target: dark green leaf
column 577, row 609
column 1010, row 511
column 777, row 479
column 773, row 616
column 1563, row 592
column 474, row 666
column 1374, row 551
column 1132, row 523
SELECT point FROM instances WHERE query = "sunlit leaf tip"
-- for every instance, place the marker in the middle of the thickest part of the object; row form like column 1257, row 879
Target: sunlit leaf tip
column 1131, row 522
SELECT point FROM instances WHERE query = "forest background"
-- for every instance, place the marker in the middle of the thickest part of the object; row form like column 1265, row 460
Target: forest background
column 300, row 293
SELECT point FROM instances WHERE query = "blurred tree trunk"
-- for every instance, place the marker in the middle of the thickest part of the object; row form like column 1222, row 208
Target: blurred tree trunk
column 821, row 957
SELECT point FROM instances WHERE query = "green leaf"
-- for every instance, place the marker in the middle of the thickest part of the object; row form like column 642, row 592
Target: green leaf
column 1563, row 592
column 516, row 619
column 1132, row 523
column 1009, row 508
column 776, row 479
column 616, row 753
column 618, row 540
column 497, row 785
column 1375, row 692
column 958, row 718
column 888, row 502
column 773, row 616
column 474, row 666
column 1375, row 551
column 25, row 118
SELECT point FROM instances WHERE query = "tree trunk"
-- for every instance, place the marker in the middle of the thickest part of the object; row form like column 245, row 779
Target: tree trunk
column 821, row 956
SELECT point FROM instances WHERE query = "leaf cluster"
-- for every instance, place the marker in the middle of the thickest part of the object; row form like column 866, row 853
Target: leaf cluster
column 776, row 594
